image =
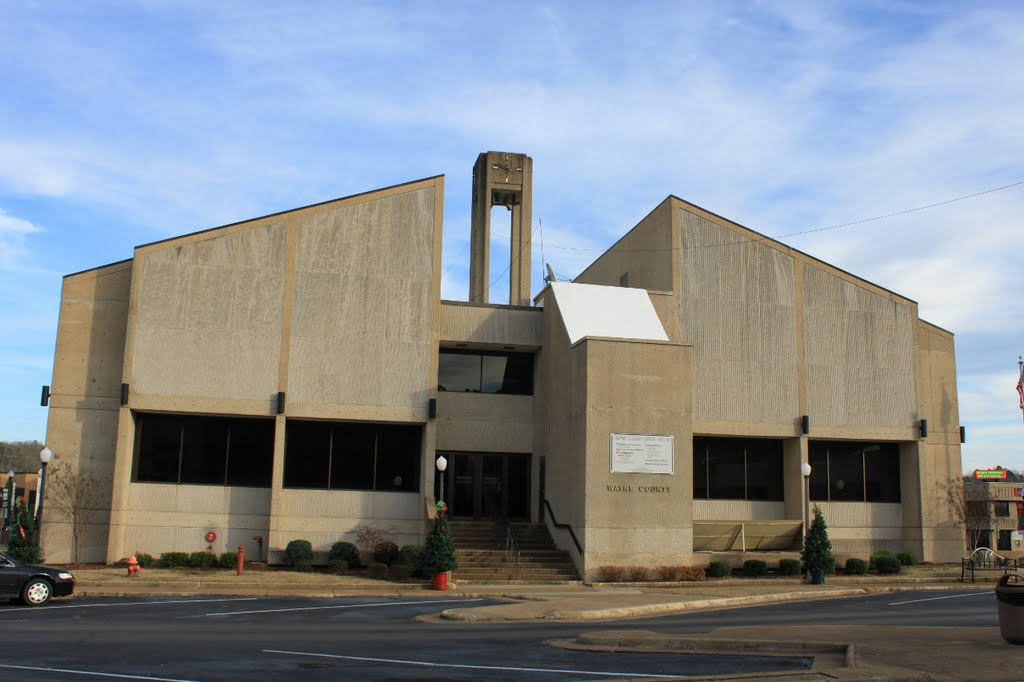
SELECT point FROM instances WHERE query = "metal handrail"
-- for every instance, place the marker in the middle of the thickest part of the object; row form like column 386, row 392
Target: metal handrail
column 512, row 545
column 565, row 526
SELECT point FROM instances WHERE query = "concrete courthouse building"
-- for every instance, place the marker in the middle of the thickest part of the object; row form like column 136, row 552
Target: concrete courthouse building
column 297, row 375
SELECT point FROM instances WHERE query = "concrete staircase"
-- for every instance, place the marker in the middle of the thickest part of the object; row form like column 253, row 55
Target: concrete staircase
column 480, row 551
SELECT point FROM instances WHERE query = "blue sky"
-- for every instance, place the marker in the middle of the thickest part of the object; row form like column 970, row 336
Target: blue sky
column 123, row 123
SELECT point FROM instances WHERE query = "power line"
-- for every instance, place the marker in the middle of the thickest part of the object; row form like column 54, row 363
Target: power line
column 793, row 234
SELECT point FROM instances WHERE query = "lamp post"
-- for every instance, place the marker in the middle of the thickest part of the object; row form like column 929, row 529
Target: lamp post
column 442, row 464
column 805, row 470
column 45, row 455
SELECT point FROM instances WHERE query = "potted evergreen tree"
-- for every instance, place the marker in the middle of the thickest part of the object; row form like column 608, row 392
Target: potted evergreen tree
column 817, row 551
column 439, row 553
column 23, row 544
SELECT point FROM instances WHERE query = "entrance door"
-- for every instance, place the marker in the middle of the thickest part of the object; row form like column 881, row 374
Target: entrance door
column 489, row 487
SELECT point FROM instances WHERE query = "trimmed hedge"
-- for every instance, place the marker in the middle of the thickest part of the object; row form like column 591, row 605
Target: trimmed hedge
column 886, row 563
column 856, row 566
column 228, row 560
column 754, row 568
column 385, row 553
column 377, row 571
column 298, row 553
column 173, row 560
column 344, row 551
column 907, row 559
column 719, row 569
column 789, row 567
column 146, row 560
column 202, row 560
column 411, row 556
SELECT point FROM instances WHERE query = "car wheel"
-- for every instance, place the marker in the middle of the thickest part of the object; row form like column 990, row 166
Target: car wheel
column 37, row 592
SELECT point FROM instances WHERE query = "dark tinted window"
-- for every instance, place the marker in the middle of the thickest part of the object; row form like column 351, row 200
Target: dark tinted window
column 159, row 448
column 1001, row 508
column 204, row 450
column 354, row 450
column 737, row 469
column 307, row 454
column 844, row 471
column 485, row 372
column 352, row 456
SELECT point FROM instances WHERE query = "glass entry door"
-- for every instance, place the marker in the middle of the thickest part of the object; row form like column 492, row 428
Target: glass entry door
column 489, row 487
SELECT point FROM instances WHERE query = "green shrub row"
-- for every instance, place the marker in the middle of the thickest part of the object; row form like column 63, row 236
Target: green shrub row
column 188, row 560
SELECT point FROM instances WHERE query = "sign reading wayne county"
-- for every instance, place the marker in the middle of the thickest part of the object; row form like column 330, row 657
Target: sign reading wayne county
column 633, row 453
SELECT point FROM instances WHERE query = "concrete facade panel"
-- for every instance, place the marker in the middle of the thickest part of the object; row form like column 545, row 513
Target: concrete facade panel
column 738, row 310
column 363, row 304
column 209, row 316
column 478, row 422
column 860, row 353
column 487, row 325
column 738, row 510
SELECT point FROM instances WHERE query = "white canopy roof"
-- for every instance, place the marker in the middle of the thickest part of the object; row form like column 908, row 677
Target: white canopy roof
column 610, row 312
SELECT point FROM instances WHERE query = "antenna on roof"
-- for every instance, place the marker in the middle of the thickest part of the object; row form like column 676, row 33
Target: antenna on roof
column 550, row 277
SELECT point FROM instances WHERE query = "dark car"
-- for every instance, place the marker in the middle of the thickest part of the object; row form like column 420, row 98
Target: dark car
column 34, row 585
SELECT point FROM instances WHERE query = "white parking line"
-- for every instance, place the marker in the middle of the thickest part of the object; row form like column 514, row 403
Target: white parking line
column 949, row 596
column 428, row 664
column 346, row 606
column 23, row 612
column 92, row 673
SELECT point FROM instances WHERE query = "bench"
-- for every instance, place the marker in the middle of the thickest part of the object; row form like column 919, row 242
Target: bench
column 984, row 559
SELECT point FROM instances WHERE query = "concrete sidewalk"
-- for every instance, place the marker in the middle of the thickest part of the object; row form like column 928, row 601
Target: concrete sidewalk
column 846, row 653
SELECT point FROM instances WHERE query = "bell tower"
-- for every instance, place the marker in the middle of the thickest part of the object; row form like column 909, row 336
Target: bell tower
column 501, row 179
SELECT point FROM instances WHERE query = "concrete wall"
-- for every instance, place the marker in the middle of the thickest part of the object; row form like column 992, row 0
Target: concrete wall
column 84, row 396
column 645, row 254
column 587, row 392
column 490, row 326
column 480, row 422
column 738, row 304
column 336, row 305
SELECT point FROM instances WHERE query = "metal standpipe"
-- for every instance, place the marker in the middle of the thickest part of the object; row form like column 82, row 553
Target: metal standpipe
column 1010, row 600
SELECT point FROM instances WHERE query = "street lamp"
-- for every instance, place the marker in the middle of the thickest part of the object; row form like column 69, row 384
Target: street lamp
column 805, row 470
column 45, row 455
column 442, row 464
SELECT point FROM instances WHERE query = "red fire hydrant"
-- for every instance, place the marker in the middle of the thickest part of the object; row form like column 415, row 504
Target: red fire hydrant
column 133, row 566
column 241, row 559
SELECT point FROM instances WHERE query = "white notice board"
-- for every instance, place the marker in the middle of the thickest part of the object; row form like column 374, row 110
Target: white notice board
column 633, row 453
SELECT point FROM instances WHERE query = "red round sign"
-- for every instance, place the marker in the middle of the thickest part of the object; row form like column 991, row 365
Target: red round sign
column 211, row 536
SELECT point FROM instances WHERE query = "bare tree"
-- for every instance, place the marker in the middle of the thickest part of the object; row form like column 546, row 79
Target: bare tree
column 76, row 495
column 970, row 511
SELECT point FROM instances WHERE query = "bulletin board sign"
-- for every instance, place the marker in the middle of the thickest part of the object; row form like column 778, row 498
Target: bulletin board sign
column 634, row 453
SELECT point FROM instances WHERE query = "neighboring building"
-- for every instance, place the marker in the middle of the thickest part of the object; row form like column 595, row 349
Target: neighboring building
column 995, row 516
column 296, row 375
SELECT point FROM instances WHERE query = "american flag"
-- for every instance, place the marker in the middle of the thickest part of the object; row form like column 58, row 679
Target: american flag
column 1020, row 383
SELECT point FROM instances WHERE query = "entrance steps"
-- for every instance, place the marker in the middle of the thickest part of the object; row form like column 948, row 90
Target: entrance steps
column 480, row 548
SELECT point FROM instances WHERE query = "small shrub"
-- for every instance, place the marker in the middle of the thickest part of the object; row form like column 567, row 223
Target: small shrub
column 411, row 556
column 754, row 568
column 173, row 559
column 719, row 569
column 882, row 553
column 298, row 552
column 377, row 571
column 145, row 560
column 303, row 568
column 887, row 564
column 337, row 566
column 400, row 571
column 666, row 573
column 906, row 559
column 385, row 553
column 228, row 560
column 611, row 574
column 202, row 560
column 344, row 551
column 638, row 574
column 856, row 566
column 789, row 567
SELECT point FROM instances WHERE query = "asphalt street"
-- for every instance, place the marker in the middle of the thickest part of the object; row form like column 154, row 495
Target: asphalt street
column 379, row 638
